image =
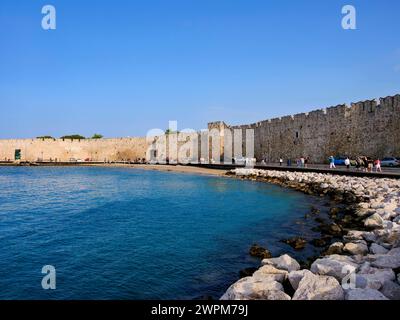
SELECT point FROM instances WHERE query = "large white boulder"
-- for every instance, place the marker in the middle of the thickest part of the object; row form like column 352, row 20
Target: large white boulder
column 284, row 262
column 272, row 273
column 296, row 276
column 354, row 235
column 334, row 265
column 355, row 248
column 373, row 278
column 251, row 288
column 335, row 248
column 316, row 287
column 388, row 260
column 374, row 221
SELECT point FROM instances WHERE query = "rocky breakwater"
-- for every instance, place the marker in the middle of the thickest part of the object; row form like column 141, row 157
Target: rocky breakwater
column 364, row 265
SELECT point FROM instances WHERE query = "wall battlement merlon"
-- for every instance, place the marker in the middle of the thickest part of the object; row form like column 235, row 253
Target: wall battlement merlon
column 343, row 110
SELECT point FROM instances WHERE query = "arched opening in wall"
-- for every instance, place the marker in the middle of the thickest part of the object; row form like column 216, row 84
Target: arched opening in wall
column 297, row 134
column 17, row 154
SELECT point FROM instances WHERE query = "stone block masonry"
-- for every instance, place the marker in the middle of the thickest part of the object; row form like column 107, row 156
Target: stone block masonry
column 63, row 150
column 370, row 128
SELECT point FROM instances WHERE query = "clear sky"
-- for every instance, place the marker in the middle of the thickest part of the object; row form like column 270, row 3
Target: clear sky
column 120, row 68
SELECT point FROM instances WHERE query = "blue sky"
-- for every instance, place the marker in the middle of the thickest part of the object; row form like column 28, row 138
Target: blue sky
column 121, row 68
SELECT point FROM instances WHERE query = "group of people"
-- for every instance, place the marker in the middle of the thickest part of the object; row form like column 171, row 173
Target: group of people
column 367, row 164
column 362, row 163
column 301, row 162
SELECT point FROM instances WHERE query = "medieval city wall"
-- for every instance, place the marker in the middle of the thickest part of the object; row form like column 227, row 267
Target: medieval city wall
column 370, row 128
column 122, row 149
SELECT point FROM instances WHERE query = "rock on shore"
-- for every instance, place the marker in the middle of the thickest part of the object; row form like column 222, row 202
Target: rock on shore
column 364, row 266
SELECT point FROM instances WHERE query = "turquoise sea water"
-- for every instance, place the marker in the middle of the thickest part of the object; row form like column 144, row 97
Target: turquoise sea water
column 121, row 233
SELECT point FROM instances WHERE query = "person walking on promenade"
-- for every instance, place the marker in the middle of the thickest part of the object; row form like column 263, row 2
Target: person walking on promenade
column 370, row 165
column 280, row 161
column 306, row 161
column 332, row 162
column 366, row 165
column 347, row 163
column 302, row 162
column 289, row 162
column 378, row 165
column 358, row 163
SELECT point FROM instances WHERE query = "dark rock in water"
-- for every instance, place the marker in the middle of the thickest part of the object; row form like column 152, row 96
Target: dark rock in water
column 259, row 252
column 247, row 272
column 296, row 243
column 319, row 243
column 314, row 210
column 320, row 220
column 332, row 229
column 334, row 211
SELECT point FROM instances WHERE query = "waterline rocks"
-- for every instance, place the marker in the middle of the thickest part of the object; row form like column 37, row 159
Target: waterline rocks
column 296, row 243
column 335, row 248
column 315, row 287
column 355, row 248
column 337, row 266
column 296, row 276
column 284, row 262
column 271, row 272
column 373, row 278
column 252, row 288
column 259, row 252
column 363, row 263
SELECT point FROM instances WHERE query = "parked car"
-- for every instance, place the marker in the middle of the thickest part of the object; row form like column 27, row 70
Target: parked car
column 72, row 160
column 390, row 162
column 339, row 161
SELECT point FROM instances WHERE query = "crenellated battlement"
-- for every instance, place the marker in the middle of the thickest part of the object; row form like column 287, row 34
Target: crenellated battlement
column 369, row 127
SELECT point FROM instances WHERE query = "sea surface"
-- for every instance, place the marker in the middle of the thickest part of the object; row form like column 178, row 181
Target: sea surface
column 123, row 233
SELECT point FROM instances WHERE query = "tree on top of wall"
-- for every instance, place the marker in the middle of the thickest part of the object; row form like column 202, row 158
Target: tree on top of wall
column 97, row 136
column 45, row 137
column 73, row 137
column 169, row 131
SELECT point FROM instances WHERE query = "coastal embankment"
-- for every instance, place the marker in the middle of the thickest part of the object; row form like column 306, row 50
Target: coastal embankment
column 364, row 265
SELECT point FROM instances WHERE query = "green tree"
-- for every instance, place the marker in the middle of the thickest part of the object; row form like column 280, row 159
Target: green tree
column 97, row 136
column 45, row 137
column 73, row 137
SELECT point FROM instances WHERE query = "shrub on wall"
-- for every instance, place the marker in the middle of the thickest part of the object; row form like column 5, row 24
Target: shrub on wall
column 73, row 137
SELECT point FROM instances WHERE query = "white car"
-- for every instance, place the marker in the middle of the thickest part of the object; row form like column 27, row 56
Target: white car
column 239, row 161
column 390, row 162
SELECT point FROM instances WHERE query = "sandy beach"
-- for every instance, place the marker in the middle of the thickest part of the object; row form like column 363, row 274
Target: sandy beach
column 180, row 169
